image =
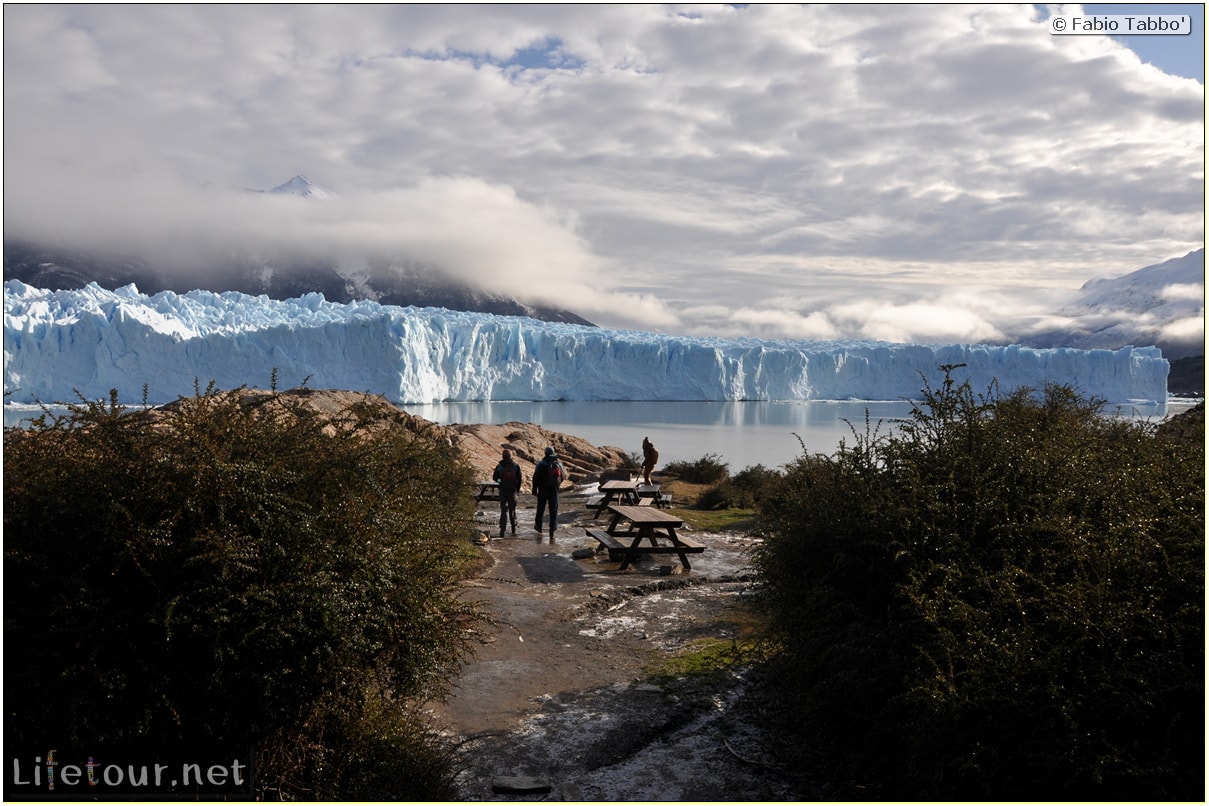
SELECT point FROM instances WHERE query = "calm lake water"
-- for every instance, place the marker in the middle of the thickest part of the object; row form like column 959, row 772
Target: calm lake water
column 742, row 434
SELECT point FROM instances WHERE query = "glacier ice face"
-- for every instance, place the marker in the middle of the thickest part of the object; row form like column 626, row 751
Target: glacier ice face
column 91, row 340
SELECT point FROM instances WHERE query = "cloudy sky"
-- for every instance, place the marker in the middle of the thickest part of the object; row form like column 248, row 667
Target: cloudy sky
column 904, row 173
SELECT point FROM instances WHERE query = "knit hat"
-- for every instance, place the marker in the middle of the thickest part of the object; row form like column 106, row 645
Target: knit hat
column 549, row 451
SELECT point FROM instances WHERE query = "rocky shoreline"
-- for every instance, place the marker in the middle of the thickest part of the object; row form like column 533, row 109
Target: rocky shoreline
column 479, row 443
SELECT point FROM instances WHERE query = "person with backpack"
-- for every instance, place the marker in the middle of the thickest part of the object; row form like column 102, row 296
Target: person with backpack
column 508, row 475
column 547, row 477
column 650, row 457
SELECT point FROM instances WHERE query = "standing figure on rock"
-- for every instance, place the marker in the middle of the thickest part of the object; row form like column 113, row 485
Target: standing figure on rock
column 547, row 477
column 508, row 475
column 650, row 457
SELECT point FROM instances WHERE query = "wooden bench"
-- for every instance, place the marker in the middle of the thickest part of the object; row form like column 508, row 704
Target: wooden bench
column 693, row 546
column 607, row 540
column 618, row 549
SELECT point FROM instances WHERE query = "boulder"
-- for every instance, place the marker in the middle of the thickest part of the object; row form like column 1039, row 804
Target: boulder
column 482, row 444
column 519, row 784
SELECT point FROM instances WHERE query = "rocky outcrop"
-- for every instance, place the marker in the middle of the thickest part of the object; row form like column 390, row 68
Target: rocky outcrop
column 481, row 444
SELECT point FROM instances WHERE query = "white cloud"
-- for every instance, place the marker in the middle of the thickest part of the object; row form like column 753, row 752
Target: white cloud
column 1183, row 292
column 918, row 322
column 816, row 170
column 1189, row 330
column 766, row 322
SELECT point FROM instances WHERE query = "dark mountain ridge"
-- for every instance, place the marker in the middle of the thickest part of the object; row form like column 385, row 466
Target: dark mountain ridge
column 384, row 280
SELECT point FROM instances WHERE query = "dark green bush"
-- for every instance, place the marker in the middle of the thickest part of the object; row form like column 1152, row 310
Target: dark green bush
column 239, row 572
column 745, row 490
column 719, row 496
column 1003, row 600
column 706, row 470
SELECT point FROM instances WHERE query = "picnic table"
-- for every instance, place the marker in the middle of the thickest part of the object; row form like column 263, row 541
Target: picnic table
column 488, row 491
column 650, row 494
column 625, row 492
column 635, row 524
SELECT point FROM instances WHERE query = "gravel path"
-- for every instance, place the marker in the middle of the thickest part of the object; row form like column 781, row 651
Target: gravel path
column 560, row 705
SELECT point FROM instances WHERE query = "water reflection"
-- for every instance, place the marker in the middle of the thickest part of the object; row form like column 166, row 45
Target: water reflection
column 769, row 433
column 658, row 413
column 742, row 433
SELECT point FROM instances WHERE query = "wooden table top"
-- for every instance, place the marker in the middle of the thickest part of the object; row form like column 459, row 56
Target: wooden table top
column 618, row 484
column 646, row 515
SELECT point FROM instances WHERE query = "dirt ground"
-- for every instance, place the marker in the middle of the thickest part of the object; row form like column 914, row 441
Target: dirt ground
column 560, row 704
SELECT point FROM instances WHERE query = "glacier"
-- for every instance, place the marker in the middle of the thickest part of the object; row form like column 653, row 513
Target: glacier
column 60, row 345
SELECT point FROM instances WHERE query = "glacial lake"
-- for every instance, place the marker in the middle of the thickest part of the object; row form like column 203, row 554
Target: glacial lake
column 742, row 434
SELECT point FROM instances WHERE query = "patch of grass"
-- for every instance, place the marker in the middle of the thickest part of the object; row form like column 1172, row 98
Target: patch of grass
column 705, row 658
column 718, row 520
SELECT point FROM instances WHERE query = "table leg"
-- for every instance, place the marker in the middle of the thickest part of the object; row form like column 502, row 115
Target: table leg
column 671, row 531
column 631, row 553
column 635, row 549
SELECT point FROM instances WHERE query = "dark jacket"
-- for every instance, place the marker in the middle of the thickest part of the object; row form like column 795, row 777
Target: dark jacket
column 543, row 479
column 510, row 482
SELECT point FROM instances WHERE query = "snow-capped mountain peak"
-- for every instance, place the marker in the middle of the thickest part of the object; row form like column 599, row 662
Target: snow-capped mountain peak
column 1163, row 305
column 301, row 186
column 1148, row 288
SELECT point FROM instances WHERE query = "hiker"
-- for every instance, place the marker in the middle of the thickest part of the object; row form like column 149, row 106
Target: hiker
column 547, row 477
column 649, row 457
column 508, row 474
